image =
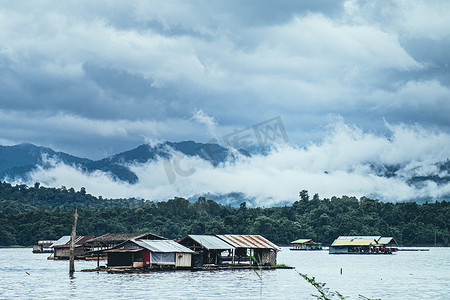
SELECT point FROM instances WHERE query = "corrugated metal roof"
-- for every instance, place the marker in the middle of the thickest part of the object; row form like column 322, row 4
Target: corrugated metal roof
column 121, row 237
column 123, row 250
column 356, row 240
column 65, row 241
column 210, row 242
column 62, row 241
column 162, row 246
column 248, row 241
column 43, row 243
column 301, row 241
column 386, row 241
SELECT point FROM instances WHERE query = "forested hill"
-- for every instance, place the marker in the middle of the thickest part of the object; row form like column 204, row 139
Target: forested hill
column 21, row 197
column 29, row 214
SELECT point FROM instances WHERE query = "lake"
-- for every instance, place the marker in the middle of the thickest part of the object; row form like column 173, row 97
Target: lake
column 403, row 275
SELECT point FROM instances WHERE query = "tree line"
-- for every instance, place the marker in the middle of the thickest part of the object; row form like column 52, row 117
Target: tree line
column 29, row 214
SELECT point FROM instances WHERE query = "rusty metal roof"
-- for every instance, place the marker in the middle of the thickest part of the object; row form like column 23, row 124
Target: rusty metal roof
column 123, row 250
column 122, row 237
column 128, row 246
column 248, row 241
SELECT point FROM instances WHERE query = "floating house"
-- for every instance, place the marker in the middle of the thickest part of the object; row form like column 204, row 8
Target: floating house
column 43, row 247
column 249, row 248
column 362, row 245
column 61, row 248
column 386, row 244
column 110, row 240
column 208, row 249
column 150, row 254
column 305, row 244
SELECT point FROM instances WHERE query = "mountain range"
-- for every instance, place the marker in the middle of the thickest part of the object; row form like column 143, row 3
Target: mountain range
column 19, row 161
column 16, row 162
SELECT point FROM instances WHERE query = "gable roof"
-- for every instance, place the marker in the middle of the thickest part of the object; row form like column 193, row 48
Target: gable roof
column 122, row 237
column 209, row 242
column 64, row 241
column 387, row 241
column 162, row 246
column 355, row 241
column 61, row 241
column 248, row 241
column 301, row 241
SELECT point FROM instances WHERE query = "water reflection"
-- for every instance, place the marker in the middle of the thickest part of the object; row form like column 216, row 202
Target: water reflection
column 72, row 285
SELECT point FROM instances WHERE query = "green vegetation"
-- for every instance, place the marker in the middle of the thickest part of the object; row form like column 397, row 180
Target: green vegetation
column 326, row 293
column 281, row 266
column 258, row 263
column 29, row 214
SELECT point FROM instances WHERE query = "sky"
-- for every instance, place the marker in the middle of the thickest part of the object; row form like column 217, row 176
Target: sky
column 350, row 82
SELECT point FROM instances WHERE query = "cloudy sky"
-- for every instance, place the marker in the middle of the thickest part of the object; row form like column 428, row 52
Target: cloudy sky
column 93, row 79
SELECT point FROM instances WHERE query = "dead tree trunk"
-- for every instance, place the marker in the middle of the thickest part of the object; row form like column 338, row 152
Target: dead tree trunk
column 72, row 242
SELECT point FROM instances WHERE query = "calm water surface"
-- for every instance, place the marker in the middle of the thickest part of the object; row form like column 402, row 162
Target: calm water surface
column 404, row 275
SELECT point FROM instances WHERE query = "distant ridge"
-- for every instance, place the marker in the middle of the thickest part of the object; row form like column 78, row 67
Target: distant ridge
column 16, row 162
column 19, row 161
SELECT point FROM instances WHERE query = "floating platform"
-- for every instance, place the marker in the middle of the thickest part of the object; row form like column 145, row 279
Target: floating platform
column 298, row 249
column 77, row 258
column 169, row 268
column 406, row 249
column 43, row 251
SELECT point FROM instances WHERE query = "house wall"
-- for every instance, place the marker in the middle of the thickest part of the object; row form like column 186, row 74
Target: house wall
column 120, row 259
column 269, row 257
column 162, row 258
column 147, row 258
column 37, row 248
column 183, row 259
column 338, row 250
column 65, row 252
column 177, row 259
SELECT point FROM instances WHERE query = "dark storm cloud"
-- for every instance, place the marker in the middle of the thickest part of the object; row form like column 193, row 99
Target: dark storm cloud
column 142, row 70
column 354, row 82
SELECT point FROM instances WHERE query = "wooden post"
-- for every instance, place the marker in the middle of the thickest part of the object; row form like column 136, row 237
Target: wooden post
column 72, row 242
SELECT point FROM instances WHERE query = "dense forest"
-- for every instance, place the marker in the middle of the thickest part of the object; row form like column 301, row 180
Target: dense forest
column 29, row 214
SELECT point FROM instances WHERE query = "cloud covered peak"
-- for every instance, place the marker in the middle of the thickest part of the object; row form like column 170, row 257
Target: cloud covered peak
column 347, row 162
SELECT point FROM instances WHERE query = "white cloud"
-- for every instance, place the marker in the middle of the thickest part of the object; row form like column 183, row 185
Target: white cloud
column 408, row 18
column 321, row 40
column 413, row 94
column 340, row 165
column 231, row 64
column 202, row 118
